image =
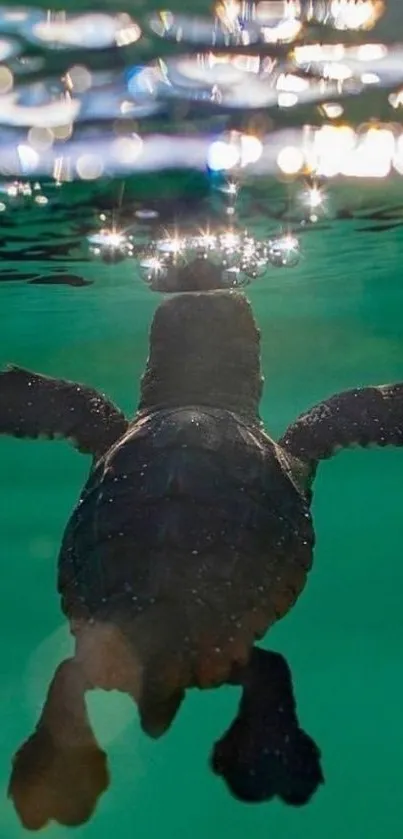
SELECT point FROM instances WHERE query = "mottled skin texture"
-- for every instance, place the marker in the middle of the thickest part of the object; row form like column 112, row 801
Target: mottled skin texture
column 191, row 537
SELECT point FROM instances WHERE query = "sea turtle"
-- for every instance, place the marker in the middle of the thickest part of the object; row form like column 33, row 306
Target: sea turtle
column 191, row 537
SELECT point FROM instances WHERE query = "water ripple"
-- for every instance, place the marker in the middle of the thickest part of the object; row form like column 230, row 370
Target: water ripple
column 86, row 94
column 121, row 117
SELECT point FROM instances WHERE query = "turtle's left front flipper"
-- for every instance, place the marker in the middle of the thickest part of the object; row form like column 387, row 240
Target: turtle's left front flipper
column 33, row 406
column 360, row 417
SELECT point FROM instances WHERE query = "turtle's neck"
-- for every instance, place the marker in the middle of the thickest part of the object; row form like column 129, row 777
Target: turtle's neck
column 204, row 350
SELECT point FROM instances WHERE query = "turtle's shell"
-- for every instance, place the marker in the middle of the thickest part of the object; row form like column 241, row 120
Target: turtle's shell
column 193, row 535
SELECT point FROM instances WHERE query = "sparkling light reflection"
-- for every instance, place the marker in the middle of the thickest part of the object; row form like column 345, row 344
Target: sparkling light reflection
column 229, row 257
column 355, row 14
column 110, row 244
column 88, row 123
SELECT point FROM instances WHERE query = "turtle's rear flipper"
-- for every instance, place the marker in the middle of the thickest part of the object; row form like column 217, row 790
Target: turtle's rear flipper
column 60, row 771
column 32, row 405
column 265, row 753
column 360, row 417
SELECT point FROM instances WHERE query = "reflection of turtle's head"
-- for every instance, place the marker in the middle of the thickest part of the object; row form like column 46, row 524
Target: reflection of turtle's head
column 204, row 350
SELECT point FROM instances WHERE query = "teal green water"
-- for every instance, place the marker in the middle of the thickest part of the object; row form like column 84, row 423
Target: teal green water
column 333, row 323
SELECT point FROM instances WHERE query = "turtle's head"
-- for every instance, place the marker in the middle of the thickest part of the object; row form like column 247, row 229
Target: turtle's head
column 204, row 350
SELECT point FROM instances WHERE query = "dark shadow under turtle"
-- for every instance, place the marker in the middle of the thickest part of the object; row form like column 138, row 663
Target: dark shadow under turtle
column 192, row 536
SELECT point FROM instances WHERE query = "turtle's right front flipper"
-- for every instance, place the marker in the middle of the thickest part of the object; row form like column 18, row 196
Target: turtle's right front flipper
column 265, row 753
column 33, row 406
column 363, row 416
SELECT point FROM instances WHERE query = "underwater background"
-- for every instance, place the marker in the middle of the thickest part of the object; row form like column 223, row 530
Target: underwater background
column 331, row 322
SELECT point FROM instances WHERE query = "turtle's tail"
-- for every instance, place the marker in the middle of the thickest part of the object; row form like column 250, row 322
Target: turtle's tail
column 359, row 417
column 158, row 709
column 176, row 650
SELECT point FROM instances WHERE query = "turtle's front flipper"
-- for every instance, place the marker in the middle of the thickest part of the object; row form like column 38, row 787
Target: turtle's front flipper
column 32, row 405
column 60, row 771
column 265, row 753
column 360, row 417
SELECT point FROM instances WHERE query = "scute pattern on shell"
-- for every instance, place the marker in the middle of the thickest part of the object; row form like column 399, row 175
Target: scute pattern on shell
column 193, row 529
